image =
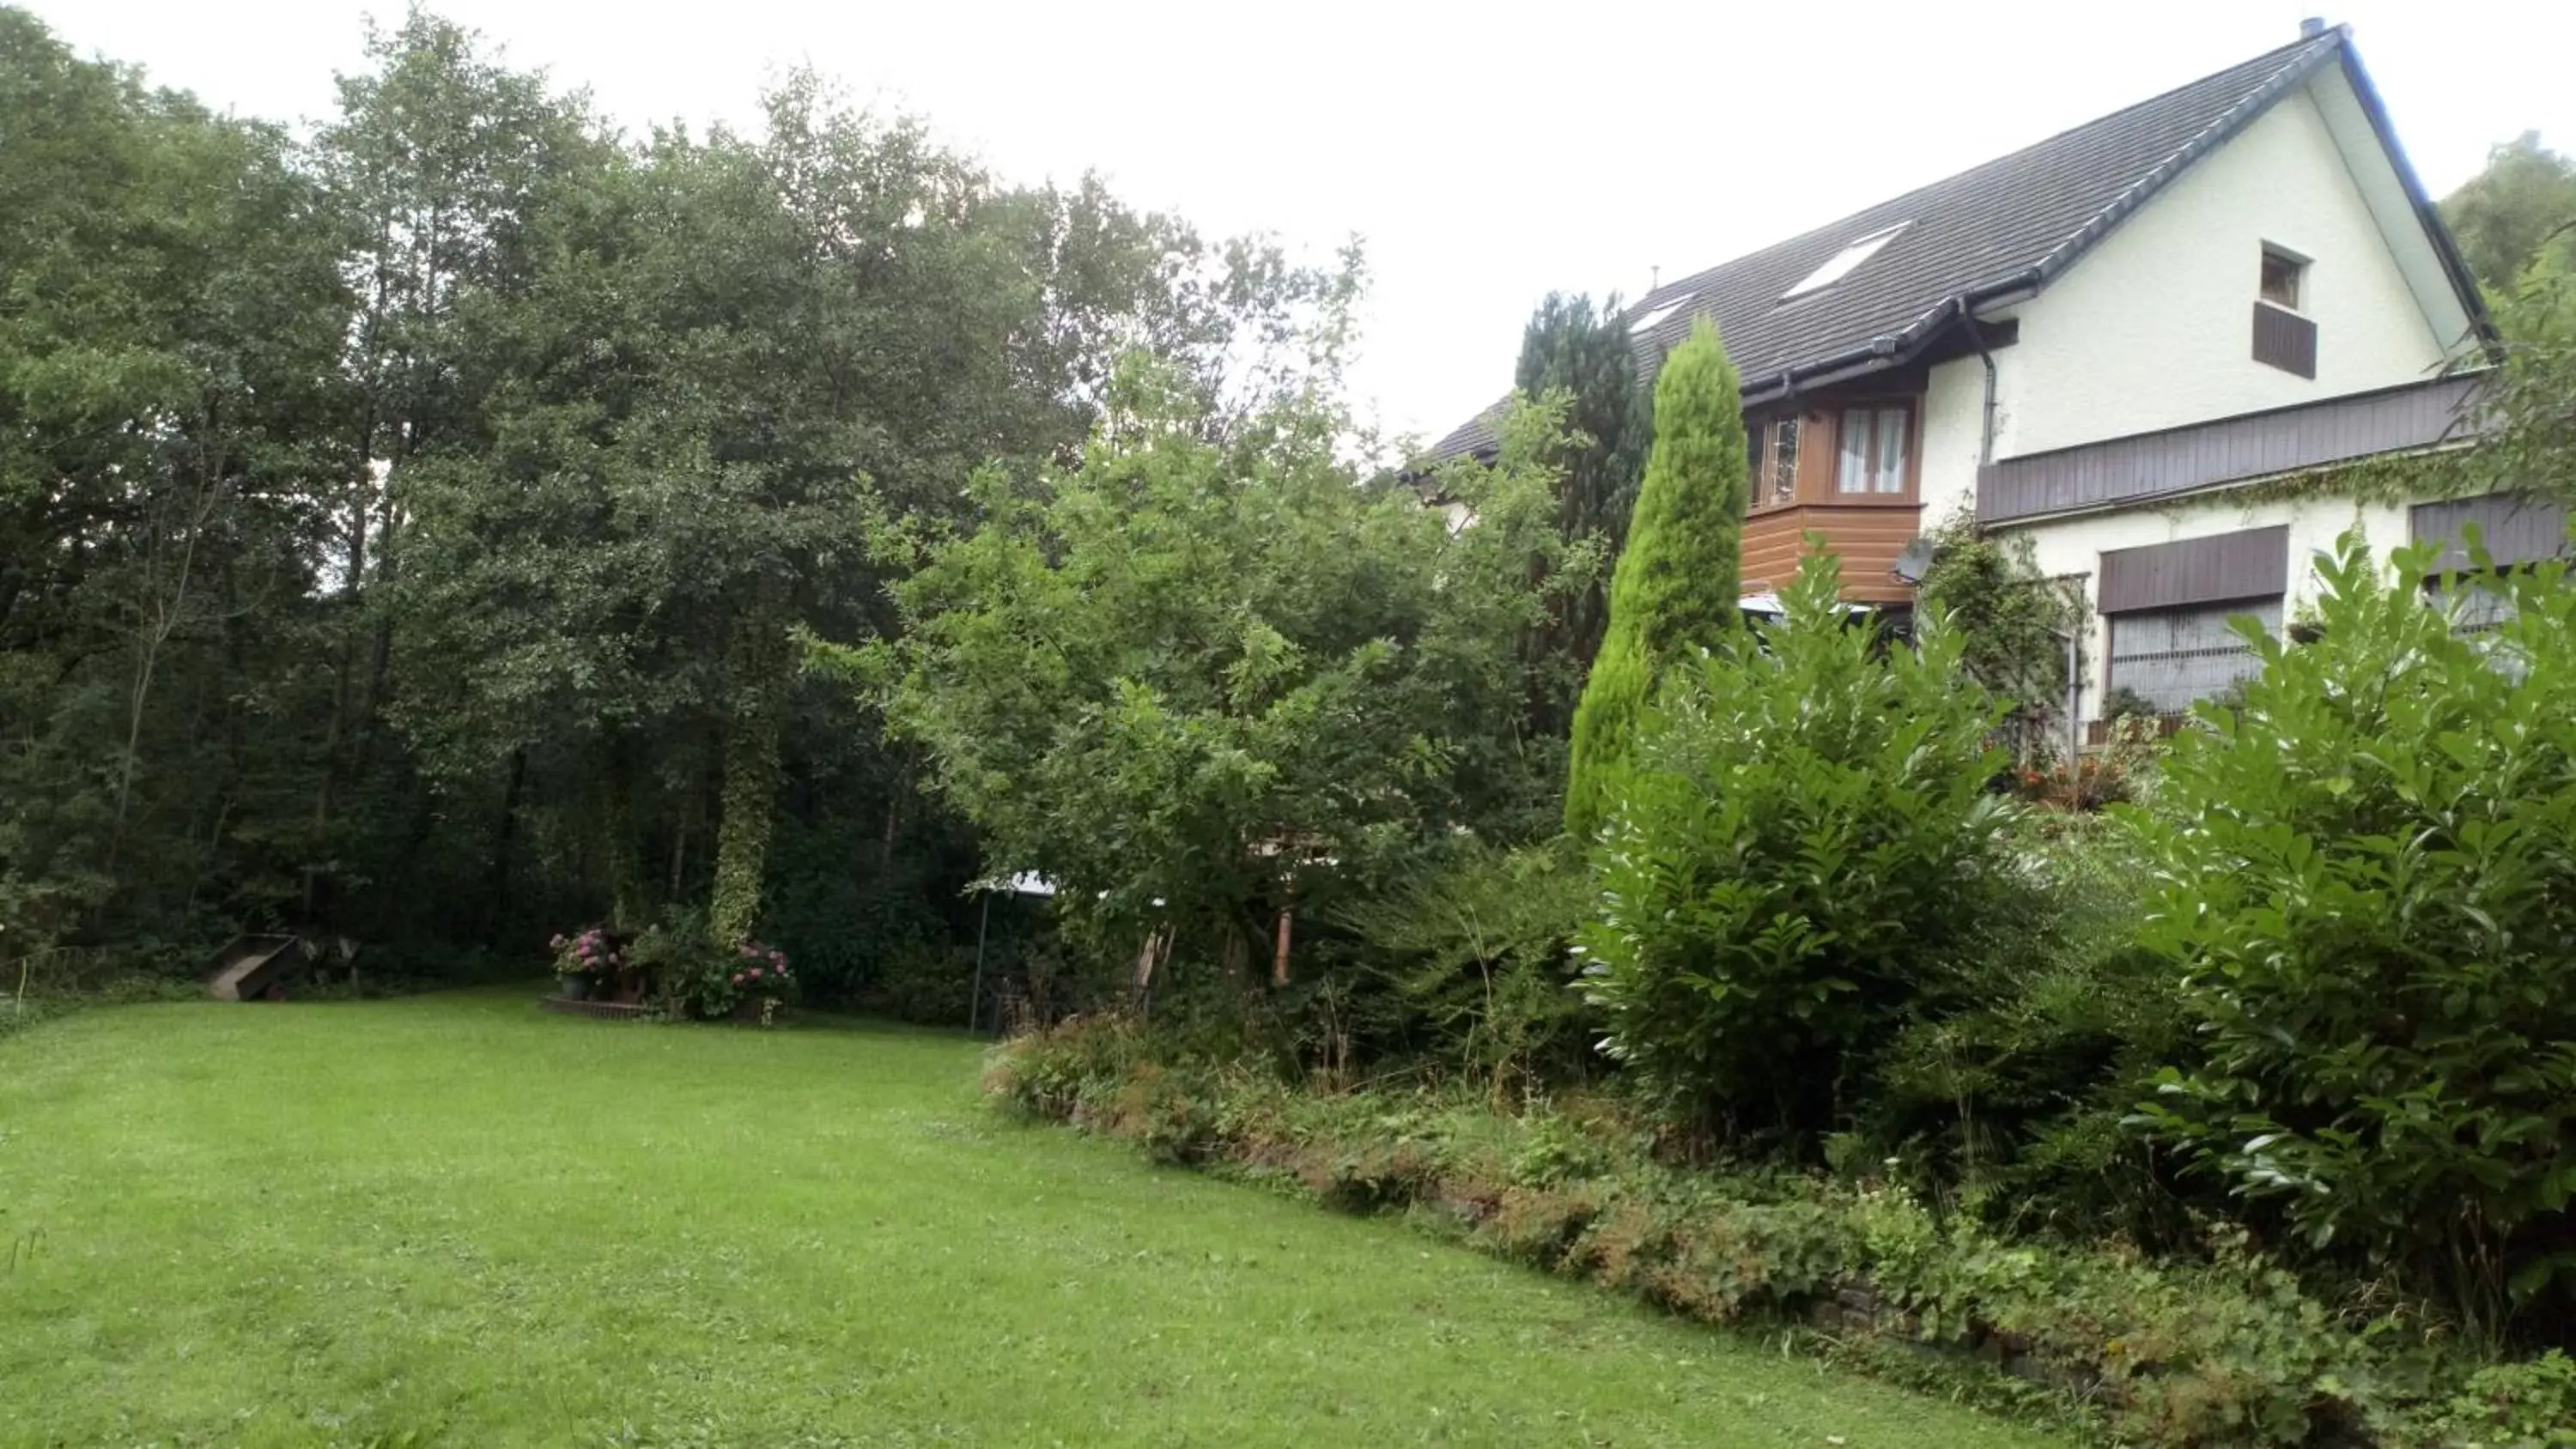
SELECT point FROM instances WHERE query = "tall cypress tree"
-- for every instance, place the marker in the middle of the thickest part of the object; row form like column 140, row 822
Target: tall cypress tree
column 1676, row 583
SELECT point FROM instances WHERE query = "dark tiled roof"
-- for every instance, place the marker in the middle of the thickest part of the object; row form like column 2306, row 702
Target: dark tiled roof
column 2012, row 222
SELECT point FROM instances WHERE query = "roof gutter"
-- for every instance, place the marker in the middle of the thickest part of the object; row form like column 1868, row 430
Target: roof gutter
column 1895, row 349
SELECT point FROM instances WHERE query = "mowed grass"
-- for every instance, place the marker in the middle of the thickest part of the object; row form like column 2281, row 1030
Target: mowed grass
column 455, row 1220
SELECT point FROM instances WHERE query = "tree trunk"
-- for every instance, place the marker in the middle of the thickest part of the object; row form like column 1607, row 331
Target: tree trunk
column 1279, row 959
column 760, row 683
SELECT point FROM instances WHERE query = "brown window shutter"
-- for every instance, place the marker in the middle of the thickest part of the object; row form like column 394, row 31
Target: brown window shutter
column 2285, row 340
column 2252, row 564
column 2512, row 530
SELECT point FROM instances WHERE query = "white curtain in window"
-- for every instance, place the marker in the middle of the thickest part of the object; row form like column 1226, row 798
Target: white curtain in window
column 1852, row 472
column 1891, row 450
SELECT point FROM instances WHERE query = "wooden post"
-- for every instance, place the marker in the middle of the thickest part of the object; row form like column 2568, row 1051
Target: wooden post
column 1279, row 960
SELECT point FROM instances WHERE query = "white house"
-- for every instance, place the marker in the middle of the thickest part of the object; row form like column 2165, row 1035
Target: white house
column 2123, row 342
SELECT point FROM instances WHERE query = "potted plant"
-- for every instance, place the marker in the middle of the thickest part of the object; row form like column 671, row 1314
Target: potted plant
column 583, row 960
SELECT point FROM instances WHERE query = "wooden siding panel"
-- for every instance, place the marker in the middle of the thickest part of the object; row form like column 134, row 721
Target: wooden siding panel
column 1867, row 537
column 2512, row 530
column 2285, row 340
column 2251, row 564
column 2181, row 460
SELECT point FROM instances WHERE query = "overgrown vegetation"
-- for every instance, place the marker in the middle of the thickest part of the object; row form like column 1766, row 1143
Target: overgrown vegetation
column 2365, row 888
column 1205, row 679
column 2232, row 1350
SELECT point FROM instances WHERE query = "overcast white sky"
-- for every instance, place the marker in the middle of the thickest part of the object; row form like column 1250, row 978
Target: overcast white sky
column 1485, row 153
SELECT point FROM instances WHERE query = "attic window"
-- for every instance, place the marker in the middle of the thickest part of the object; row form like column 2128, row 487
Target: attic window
column 1842, row 263
column 2285, row 276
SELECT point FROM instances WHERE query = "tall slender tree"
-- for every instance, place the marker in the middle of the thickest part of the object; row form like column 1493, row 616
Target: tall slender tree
column 1570, row 348
column 1675, row 587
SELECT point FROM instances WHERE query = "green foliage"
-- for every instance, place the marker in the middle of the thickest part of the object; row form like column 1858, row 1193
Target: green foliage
column 925, row 981
column 1584, row 355
column 403, row 534
column 1675, row 586
column 2513, row 1406
column 2011, row 623
column 2365, row 887
column 593, row 951
column 2510, row 214
column 1474, row 956
column 2530, row 445
column 1201, row 674
column 1805, row 838
column 2008, row 1086
column 697, row 974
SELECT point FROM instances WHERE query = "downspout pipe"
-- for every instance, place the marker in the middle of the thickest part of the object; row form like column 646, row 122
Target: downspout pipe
column 1985, row 354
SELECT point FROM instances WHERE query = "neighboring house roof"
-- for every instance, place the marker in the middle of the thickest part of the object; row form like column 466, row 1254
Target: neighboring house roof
column 1990, row 234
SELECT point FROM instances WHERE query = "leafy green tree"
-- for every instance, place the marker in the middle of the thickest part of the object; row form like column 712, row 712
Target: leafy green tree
column 2364, row 885
column 2522, row 205
column 737, row 353
column 1803, row 834
column 1675, row 586
column 1199, row 678
column 166, row 348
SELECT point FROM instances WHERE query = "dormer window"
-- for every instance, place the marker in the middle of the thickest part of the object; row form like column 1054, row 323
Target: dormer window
column 1843, row 262
column 2285, row 277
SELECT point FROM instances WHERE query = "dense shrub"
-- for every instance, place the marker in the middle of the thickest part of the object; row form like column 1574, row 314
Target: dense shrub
column 1469, row 965
column 694, row 975
column 2367, row 885
column 2009, row 1085
column 924, row 981
column 1805, row 835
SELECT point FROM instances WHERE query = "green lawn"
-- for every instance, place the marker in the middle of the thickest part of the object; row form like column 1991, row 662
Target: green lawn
column 455, row 1220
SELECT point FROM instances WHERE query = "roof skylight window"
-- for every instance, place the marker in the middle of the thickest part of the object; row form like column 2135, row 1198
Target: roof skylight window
column 1843, row 262
column 1647, row 321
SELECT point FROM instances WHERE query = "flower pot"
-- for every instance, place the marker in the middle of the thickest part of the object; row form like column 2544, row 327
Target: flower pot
column 575, row 985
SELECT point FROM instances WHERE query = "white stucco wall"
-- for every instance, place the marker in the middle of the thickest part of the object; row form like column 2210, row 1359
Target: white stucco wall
column 2153, row 328
column 1954, row 406
column 2072, row 546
